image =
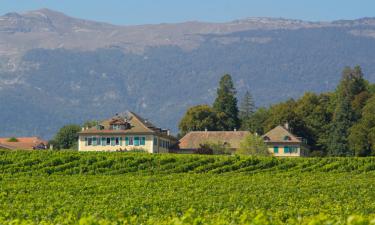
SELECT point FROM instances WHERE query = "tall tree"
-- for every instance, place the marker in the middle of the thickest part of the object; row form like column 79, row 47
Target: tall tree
column 345, row 115
column 198, row 118
column 225, row 104
column 246, row 110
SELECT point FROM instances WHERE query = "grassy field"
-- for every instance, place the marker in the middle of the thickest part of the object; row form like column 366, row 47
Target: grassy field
column 123, row 188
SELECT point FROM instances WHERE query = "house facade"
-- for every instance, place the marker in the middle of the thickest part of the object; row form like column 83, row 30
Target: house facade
column 192, row 141
column 23, row 143
column 282, row 143
column 126, row 133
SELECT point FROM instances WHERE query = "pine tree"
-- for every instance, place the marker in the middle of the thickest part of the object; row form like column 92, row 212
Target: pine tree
column 247, row 107
column 225, row 104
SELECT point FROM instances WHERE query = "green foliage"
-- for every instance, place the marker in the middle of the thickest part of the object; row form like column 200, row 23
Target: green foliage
column 253, row 145
column 246, row 110
column 198, row 118
column 12, row 139
column 69, row 187
column 225, row 104
column 350, row 92
column 67, row 137
column 256, row 122
column 362, row 134
column 215, row 148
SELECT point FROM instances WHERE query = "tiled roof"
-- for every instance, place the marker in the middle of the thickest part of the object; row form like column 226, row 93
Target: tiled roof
column 193, row 139
column 138, row 125
column 280, row 134
column 24, row 143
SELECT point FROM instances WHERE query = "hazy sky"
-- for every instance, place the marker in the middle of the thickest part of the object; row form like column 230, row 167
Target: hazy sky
column 170, row 11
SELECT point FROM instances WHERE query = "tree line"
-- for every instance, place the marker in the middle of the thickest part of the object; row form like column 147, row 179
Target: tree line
column 336, row 123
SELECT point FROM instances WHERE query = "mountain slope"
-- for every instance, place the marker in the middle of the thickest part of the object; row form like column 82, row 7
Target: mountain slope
column 56, row 70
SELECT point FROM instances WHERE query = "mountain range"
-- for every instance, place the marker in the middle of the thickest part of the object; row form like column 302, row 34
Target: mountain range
column 55, row 69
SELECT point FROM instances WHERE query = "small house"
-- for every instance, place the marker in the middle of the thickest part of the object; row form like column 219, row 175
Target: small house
column 281, row 142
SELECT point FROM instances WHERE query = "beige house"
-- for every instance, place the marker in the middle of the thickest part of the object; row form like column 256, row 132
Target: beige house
column 125, row 133
column 281, row 142
column 192, row 141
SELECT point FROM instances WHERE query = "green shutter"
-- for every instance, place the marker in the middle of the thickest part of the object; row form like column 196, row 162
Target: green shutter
column 136, row 141
column 86, row 141
column 126, row 141
column 143, row 141
column 276, row 149
column 94, row 143
column 286, row 149
column 113, row 141
column 104, row 140
column 120, row 141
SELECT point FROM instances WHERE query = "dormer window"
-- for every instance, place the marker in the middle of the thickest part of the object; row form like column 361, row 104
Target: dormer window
column 116, row 127
column 265, row 138
column 287, row 138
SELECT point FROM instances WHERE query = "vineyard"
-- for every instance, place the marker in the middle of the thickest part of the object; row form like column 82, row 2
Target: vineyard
column 68, row 187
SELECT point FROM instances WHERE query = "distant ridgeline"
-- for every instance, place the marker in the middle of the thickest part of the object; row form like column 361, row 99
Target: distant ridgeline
column 160, row 72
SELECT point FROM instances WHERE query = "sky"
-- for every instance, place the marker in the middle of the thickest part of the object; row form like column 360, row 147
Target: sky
column 131, row 12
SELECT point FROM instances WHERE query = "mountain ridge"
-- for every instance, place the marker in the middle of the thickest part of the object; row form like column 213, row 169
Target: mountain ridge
column 60, row 70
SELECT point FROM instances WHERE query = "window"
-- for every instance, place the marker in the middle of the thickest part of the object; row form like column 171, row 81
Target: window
column 293, row 149
column 108, row 141
column 121, row 141
column 89, row 141
column 115, row 127
column 126, row 141
column 136, row 141
column 286, row 149
column 143, row 141
column 131, row 141
column 276, row 149
column 117, row 141
column 99, row 141
column 265, row 138
column 104, row 141
column 287, row 138
column 94, row 141
column 155, row 141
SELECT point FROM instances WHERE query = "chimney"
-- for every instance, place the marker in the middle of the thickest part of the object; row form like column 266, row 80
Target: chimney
column 205, row 129
column 83, row 128
column 286, row 125
column 168, row 132
column 235, row 129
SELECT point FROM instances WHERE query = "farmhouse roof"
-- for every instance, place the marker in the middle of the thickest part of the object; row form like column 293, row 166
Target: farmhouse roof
column 281, row 134
column 24, row 143
column 136, row 125
column 194, row 139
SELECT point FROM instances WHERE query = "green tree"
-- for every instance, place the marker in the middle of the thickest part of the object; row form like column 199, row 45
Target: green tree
column 198, row 118
column 362, row 134
column 256, row 122
column 67, row 137
column 253, row 145
column 314, row 111
column 246, row 110
column 345, row 115
column 225, row 104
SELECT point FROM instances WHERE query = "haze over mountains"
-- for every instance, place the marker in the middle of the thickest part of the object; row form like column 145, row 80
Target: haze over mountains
column 55, row 69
